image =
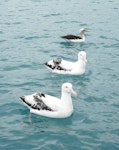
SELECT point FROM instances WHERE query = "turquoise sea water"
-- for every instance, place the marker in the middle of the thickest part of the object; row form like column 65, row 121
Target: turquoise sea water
column 30, row 33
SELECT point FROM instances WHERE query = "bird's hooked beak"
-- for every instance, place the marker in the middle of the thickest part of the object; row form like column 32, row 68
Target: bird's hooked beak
column 86, row 30
column 73, row 92
column 84, row 59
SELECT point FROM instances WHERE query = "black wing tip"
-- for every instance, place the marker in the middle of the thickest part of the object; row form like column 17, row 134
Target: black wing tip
column 49, row 66
column 64, row 37
column 22, row 98
column 46, row 64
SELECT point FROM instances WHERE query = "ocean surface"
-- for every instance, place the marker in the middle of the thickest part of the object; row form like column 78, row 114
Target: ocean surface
column 30, row 33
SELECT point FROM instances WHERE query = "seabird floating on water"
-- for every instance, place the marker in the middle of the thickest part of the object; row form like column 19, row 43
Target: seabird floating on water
column 61, row 66
column 74, row 38
column 50, row 106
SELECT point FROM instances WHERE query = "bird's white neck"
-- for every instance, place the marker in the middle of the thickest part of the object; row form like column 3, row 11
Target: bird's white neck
column 66, row 99
column 82, row 35
column 81, row 63
column 80, row 66
column 83, row 38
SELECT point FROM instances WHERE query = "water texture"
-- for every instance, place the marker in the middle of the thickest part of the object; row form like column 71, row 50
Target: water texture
column 30, row 33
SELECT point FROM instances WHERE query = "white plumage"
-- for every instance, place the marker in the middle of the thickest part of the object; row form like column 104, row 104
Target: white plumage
column 61, row 66
column 50, row 106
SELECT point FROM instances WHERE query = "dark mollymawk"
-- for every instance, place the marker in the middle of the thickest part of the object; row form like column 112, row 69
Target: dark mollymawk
column 74, row 38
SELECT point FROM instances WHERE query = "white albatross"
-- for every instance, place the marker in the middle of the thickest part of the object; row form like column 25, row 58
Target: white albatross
column 61, row 66
column 74, row 38
column 50, row 106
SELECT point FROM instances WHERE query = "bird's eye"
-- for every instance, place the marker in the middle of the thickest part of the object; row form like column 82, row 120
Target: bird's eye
column 66, row 86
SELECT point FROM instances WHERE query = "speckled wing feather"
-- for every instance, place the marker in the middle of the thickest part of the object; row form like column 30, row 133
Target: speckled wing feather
column 58, row 65
column 38, row 102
